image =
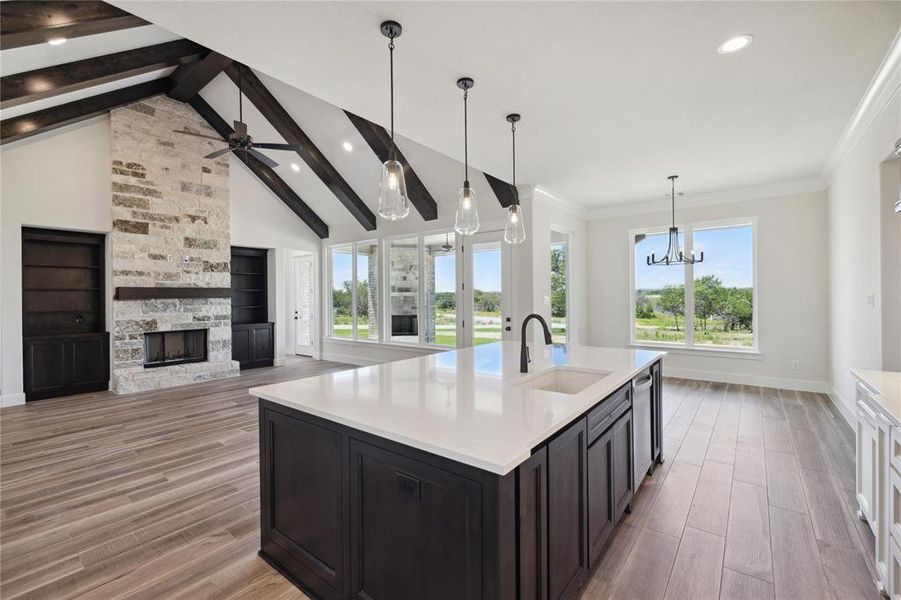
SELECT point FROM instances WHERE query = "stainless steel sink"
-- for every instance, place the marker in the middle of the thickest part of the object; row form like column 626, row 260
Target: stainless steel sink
column 565, row 381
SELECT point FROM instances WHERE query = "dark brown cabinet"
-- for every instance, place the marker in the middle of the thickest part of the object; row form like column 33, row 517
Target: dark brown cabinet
column 532, row 523
column 253, row 339
column 65, row 365
column 253, row 345
column 415, row 529
column 567, row 512
column 303, row 488
column 65, row 347
column 610, row 480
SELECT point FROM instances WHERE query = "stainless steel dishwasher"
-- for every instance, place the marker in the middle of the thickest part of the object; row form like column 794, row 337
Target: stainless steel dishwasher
column 641, row 425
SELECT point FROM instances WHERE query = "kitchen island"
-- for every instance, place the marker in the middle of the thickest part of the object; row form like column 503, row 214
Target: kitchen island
column 454, row 475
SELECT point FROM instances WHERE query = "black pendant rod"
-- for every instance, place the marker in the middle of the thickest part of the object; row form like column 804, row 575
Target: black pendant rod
column 513, row 119
column 240, row 95
column 391, row 62
column 672, row 179
column 465, row 138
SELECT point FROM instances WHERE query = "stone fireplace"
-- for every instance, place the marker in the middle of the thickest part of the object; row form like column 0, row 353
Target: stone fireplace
column 171, row 240
column 167, row 348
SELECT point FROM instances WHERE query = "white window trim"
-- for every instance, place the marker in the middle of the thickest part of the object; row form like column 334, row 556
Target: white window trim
column 330, row 287
column 687, row 230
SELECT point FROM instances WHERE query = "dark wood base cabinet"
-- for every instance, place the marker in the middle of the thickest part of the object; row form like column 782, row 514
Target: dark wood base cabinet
column 346, row 514
column 253, row 345
column 65, row 365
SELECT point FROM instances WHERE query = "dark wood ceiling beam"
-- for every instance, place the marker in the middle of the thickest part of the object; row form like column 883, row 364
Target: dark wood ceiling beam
column 279, row 118
column 18, row 128
column 379, row 141
column 262, row 171
column 28, row 22
column 190, row 78
column 505, row 192
column 21, row 88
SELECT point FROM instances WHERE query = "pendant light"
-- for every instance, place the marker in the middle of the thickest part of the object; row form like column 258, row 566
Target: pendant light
column 466, row 221
column 393, row 201
column 514, row 230
column 673, row 255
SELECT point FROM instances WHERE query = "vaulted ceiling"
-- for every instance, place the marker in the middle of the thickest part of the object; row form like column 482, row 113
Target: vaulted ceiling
column 615, row 96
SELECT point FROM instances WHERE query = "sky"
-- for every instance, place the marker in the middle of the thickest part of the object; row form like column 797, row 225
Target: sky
column 486, row 276
column 728, row 254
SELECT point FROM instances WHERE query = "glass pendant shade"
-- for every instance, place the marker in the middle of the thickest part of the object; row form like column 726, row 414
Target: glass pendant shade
column 467, row 218
column 514, row 230
column 393, row 202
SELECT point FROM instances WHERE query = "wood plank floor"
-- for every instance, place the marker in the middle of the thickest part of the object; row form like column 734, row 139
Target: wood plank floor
column 155, row 495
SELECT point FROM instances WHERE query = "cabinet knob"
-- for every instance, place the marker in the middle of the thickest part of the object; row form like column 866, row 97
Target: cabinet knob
column 409, row 485
column 79, row 319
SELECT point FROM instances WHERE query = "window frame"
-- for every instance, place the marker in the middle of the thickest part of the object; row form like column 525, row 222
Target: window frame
column 353, row 290
column 688, row 231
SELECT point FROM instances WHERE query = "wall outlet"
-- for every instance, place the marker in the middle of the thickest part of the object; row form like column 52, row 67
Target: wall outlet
column 168, row 258
column 871, row 300
column 796, row 365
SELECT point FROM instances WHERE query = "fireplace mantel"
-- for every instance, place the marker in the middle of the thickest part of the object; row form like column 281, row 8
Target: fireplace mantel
column 155, row 293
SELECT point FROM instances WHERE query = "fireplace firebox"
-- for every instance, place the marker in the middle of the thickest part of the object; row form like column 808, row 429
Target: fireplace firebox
column 166, row 348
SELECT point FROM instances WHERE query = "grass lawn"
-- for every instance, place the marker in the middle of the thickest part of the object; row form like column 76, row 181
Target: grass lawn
column 662, row 328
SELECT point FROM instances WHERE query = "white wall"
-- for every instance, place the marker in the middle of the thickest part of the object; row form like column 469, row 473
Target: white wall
column 259, row 219
column 855, row 253
column 791, row 292
column 60, row 179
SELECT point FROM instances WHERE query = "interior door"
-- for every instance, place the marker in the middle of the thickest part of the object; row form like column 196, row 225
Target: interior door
column 486, row 290
column 305, row 305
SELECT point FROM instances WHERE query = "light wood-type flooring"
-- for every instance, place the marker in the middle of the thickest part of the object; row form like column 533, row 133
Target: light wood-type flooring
column 155, row 495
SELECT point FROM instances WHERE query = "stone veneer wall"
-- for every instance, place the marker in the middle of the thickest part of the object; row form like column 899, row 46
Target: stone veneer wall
column 170, row 211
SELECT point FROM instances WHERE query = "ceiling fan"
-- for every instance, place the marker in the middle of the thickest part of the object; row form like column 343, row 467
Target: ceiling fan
column 239, row 141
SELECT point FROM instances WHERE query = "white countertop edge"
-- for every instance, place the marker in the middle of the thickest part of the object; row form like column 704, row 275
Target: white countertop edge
column 468, row 459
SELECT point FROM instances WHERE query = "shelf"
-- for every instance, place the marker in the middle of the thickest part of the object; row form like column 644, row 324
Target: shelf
column 255, row 306
column 239, row 290
column 60, row 312
column 246, row 273
column 60, row 267
column 62, row 289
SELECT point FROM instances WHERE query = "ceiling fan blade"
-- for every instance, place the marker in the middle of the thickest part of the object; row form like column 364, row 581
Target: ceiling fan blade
column 262, row 158
column 218, row 153
column 200, row 135
column 240, row 129
column 294, row 147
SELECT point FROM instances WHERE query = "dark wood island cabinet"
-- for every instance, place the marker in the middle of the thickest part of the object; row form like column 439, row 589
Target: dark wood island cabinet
column 349, row 514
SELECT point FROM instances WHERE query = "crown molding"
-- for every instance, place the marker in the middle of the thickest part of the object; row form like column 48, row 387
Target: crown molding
column 724, row 196
column 573, row 208
column 879, row 92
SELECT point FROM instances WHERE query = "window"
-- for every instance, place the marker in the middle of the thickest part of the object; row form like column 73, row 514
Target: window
column 707, row 305
column 440, row 290
column 403, row 270
column 354, row 289
column 559, row 286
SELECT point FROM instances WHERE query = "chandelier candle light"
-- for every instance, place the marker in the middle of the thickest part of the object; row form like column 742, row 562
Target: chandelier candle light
column 466, row 221
column 393, row 202
column 514, row 230
column 673, row 255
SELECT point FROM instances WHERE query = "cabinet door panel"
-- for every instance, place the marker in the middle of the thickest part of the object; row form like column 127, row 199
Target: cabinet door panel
column 567, row 512
column 89, row 367
column 305, row 495
column 600, row 494
column 657, row 413
column 532, row 520
column 416, row 529
column 241, row 344
column 622, row 475
column 262, row 342
column 45, row 368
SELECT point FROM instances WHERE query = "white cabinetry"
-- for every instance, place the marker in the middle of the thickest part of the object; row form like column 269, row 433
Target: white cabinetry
column 879, row 482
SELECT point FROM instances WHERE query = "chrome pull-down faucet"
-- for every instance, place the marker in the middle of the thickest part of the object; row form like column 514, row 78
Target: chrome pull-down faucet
column 524, row 358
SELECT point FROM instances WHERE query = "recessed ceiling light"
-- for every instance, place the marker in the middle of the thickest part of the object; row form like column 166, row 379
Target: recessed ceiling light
column 347, row 146
column 739, row 42
column 57, row 41
column 295, row 167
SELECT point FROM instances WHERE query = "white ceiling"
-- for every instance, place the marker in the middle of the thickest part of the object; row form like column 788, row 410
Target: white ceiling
column 614, row 96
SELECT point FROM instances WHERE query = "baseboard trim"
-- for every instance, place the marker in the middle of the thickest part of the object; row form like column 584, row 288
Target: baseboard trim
column 803, row 385
column 843, row 408
column 7, row 400
column 349, row 359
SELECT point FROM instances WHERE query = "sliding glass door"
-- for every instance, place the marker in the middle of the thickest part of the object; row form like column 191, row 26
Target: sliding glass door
column 486, row 299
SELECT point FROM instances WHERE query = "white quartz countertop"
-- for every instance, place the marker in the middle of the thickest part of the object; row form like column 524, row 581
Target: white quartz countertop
column 887, row 388
column 470, row 405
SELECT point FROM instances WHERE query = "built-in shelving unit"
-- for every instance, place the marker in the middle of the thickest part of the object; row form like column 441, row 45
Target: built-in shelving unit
column 252, row 332
column 66, row 347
